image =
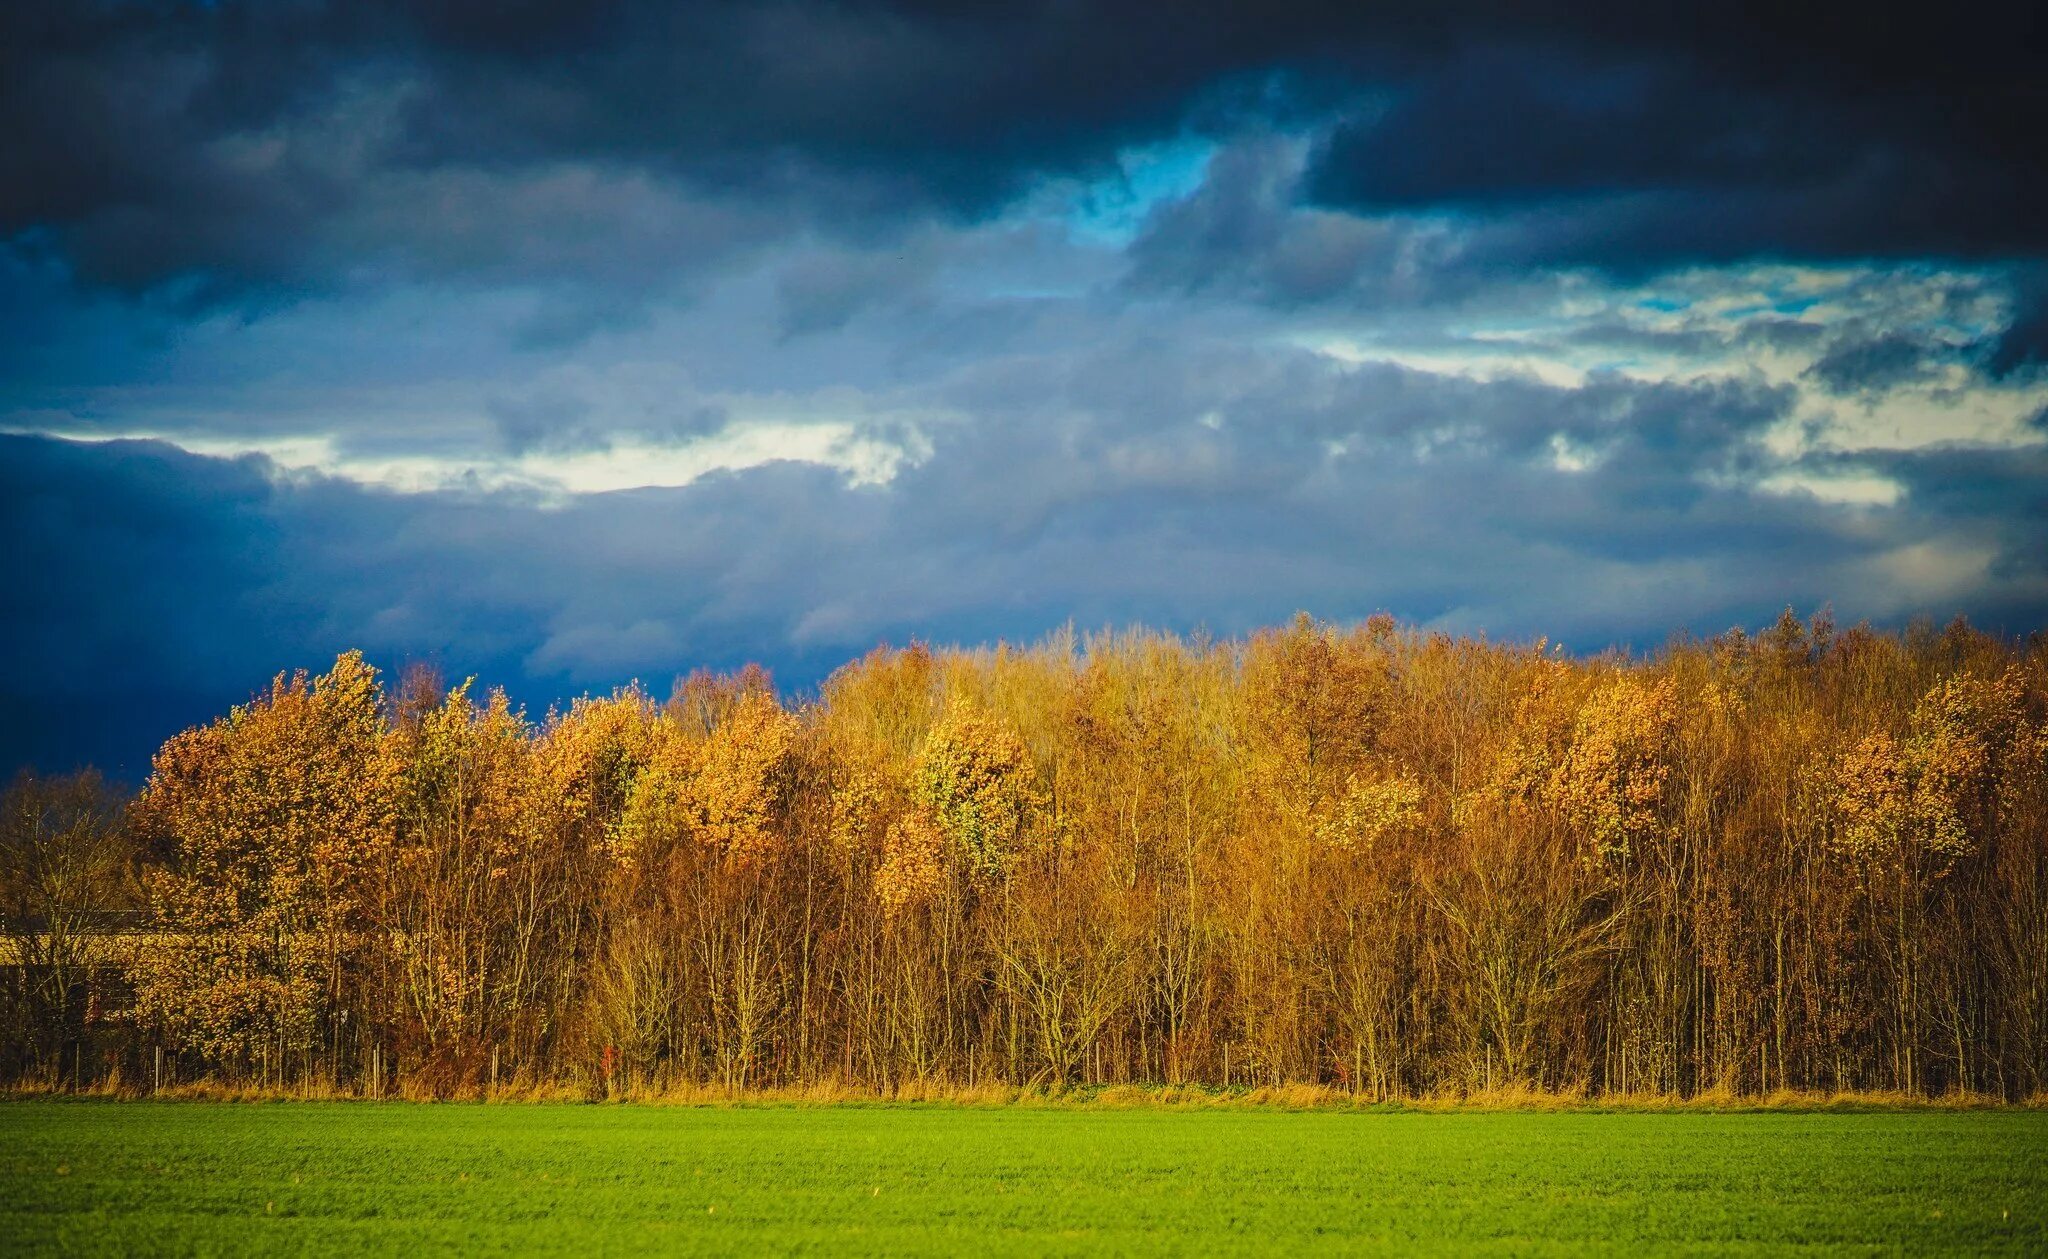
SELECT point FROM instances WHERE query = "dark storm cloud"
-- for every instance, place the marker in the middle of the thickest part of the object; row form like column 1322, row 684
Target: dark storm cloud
column 2025, row 339
column 122, row 564
column 1646, row 165
column 2005, row 486
column 1243, row 234
column 255, row 143
column 1872, row 364
column 245, row 144
column 1687, row 134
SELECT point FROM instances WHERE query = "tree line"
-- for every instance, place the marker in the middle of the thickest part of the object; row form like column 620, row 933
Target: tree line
column 1367, row 857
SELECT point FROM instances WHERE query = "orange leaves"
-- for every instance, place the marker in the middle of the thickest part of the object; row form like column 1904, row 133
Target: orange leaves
column 729, row 792
column 1935, row 791
column 461, row 766
column 1370, row 811
column 861, row 807
column 1135, row 855
column 1312, row 700
column 882, row 703
column 1874, row 794
column 657, row 809
column 589, row 757
column 271, row 819
column 1538, row 734
column 1611, row 781
column 1961, row 728
column 978, row 783
column 1599, row 759
column 745, row 779
column 293, row 786
column 968, row 800
column 913, row 868
column 1314, row 692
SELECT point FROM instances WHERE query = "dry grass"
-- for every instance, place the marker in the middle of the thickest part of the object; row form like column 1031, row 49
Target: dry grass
column 1140, row 1096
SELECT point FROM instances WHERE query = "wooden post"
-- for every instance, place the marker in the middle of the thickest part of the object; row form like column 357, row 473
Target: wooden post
column 159, row 1071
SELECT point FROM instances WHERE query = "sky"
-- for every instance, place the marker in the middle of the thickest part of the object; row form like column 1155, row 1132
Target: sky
column 567, row 343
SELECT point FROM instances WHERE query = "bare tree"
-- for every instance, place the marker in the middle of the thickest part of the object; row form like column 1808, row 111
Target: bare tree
column 64, row 862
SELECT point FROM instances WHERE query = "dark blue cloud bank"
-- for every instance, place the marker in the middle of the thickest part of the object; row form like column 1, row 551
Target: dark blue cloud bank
column 571, row 343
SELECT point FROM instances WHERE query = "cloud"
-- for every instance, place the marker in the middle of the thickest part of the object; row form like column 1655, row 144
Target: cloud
column 567, row 343
column 823, row 291
column 1876, row 363
column 1684, row 137
column 244, row 146
column 1128, row 481
column 2024, row 341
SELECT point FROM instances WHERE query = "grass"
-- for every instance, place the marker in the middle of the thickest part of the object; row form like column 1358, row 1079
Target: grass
column 157, row 1177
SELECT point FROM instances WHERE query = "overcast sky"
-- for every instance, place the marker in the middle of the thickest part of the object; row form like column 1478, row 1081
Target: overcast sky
column 568, row 343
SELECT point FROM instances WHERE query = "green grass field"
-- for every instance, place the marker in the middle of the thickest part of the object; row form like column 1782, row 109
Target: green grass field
column 138, row 1177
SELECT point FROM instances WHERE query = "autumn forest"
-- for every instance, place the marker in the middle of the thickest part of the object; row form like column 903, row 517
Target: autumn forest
column 1365, row 857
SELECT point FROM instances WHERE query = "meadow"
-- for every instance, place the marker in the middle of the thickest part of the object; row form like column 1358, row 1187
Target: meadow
column 385, row 1178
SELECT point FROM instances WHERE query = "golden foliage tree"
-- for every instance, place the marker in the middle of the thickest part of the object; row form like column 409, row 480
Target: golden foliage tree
column 1363, row 856
column 272, row 819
